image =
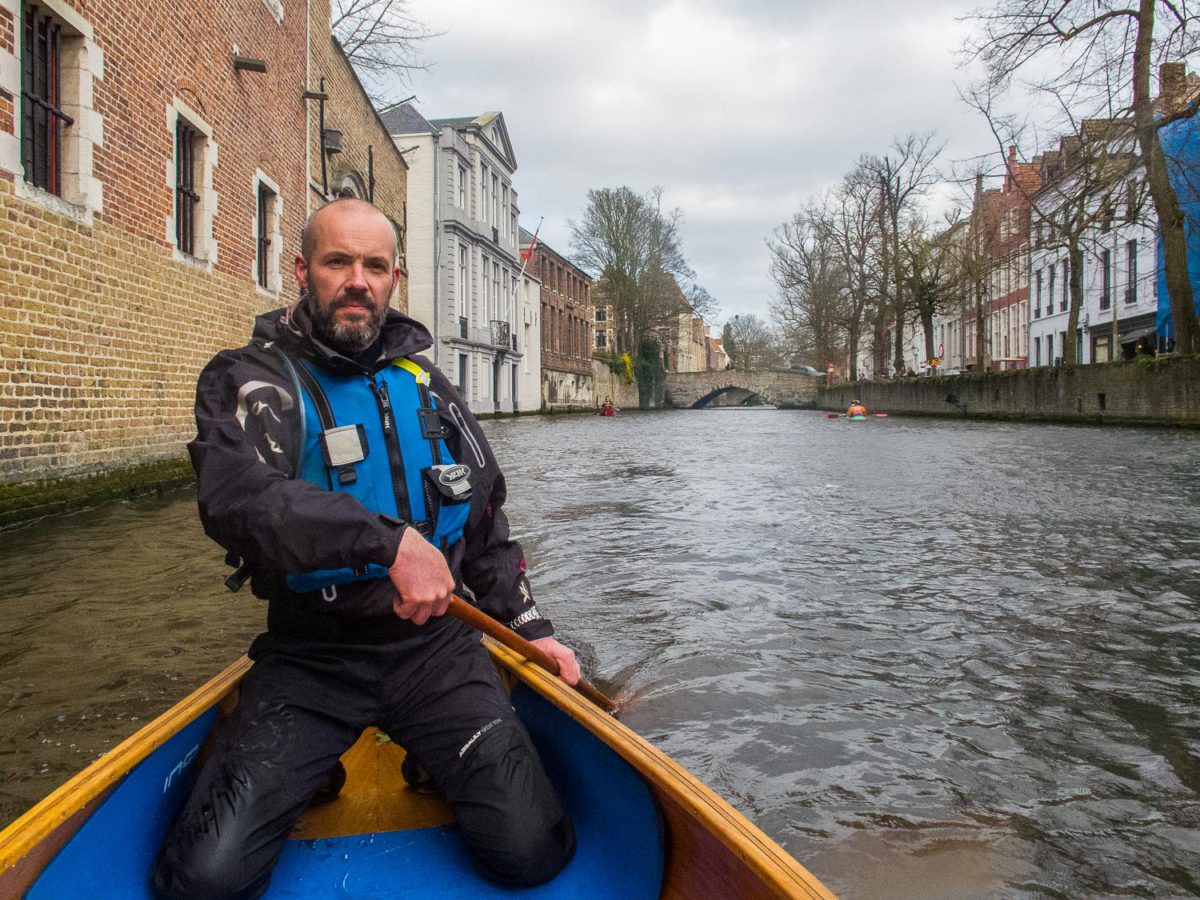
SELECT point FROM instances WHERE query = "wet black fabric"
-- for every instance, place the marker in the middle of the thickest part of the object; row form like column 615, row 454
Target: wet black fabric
column 304, row 702
column 247, row 439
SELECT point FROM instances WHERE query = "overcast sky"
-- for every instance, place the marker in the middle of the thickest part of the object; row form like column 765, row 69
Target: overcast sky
column 738, row 111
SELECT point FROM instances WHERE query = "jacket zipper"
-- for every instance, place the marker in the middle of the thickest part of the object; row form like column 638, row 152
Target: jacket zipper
column 395, row 456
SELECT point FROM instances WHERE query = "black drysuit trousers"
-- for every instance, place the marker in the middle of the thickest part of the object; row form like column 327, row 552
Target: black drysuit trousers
column 302, row 705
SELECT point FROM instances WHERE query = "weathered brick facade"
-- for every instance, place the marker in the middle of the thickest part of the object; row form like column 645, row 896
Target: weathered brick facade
column 104, row 322
column 567, row 322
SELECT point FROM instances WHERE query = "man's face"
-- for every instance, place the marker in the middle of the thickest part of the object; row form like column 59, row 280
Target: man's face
column 351, row 274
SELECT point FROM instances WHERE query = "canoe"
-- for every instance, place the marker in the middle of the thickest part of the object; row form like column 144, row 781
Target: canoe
column 857, row 418
column 645, row 827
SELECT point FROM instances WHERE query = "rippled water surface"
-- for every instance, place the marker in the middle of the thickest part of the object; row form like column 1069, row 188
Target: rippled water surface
column 930, row 658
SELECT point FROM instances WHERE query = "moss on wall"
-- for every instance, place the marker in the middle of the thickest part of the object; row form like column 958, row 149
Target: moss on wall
column 23, row 502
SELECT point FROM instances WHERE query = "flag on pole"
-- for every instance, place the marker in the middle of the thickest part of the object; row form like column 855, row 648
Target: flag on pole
column 527, row 253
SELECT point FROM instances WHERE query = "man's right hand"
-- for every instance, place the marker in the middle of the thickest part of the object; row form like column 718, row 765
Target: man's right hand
column 422, row 579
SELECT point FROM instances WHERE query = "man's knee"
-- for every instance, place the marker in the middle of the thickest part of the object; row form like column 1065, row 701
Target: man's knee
column 536, row 850
column 515, row 823
column 201, row 876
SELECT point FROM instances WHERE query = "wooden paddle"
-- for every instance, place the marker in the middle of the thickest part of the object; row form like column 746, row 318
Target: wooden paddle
column 465, row 612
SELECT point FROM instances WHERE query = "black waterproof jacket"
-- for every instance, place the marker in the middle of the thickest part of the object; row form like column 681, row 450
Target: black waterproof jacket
column 244, row 454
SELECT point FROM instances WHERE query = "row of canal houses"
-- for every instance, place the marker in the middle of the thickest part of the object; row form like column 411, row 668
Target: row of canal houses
column 157, row 163
column 1089, row 190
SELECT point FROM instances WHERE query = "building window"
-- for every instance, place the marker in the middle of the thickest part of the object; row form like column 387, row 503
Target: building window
column 1037, row 351
column 1037, row 301
column 1131, row 272
column 1066, row 291
column 1053, row 270
column 601, row 314
column 483, row 181
column 1106, row 279
column 462, row 187
column 268, row 244
column 188, row 141
column 1049, row 349
column 462, row 376
column 495, row 220
column 42, row 115
column 463, row 289
column 601, row 340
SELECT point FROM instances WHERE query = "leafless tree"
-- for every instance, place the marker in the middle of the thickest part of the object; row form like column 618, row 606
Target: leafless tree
column 860, row 247
column 757, row 345
column 632, row 248
column 381, row 39
column 1099, row 56
column 811, row 284
column 904, row 174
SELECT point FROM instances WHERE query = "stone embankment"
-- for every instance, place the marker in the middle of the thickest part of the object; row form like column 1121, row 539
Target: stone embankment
column 1147, row 391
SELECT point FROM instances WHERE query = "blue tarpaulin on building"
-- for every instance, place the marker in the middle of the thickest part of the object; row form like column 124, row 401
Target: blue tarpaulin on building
column 1181, row 146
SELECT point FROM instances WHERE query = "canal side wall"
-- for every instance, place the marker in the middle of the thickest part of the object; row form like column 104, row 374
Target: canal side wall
column 612, row 384
column 1146, row 391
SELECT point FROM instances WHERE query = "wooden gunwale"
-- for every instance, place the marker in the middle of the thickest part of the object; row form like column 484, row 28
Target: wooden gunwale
column 33, row 837
column 689, row 806
column 780, row 873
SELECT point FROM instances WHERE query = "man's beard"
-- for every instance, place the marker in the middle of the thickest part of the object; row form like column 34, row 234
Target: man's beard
column 347, row 337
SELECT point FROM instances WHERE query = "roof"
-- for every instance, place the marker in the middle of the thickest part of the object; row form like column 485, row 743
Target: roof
column 404, row 119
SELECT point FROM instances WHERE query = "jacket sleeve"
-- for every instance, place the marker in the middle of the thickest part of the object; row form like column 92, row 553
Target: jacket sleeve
column 247, row 436
column 494, row 569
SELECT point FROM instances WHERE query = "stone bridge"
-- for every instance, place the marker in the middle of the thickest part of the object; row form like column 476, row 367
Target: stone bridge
column 783, row 388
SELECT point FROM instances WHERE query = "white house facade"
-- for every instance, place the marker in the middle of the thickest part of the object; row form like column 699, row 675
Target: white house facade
column 1119, row 280
column 463, row 259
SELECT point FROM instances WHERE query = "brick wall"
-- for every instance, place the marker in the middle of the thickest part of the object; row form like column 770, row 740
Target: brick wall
column 104, row 324
column 1150, row 391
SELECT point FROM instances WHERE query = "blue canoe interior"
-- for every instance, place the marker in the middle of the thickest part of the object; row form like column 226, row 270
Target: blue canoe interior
column 644, row 827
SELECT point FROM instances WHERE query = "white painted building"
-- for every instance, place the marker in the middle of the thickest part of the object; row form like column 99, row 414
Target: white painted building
column 1119, row 279
column 463, row 262
column 529, row 345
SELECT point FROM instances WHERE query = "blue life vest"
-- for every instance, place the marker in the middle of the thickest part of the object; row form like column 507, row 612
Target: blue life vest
column 374, row 437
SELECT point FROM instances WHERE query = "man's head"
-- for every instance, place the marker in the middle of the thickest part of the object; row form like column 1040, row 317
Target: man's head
column 347, row 266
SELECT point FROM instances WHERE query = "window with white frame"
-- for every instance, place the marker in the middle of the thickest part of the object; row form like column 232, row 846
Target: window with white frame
column 190, row 175
column 463, row 289
column 49, row 75
column 1131, row 271
column 268, row 242
column 483, row 182
column 462, row 186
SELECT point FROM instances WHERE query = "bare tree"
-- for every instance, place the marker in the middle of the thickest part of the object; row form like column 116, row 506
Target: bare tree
column 632, row 248
column 805, row 266
column 757, row 346
column 860, row 247
column 380, row 38
column 904, row 174
column 1100, row 57
column 927, row 267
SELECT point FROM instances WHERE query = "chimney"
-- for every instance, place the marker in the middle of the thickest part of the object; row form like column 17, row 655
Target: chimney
column 1171, row 80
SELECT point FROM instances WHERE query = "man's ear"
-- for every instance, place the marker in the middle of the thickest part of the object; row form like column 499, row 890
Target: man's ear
column 301, row 271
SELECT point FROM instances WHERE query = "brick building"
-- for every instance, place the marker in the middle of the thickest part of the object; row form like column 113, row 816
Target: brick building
column 567, row 340
column 151, row 206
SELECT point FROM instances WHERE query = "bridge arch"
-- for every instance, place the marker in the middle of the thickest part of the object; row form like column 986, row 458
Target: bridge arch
column 784, row 389
column 746, row 400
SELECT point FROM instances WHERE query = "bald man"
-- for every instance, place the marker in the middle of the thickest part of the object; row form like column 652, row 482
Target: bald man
column 348, row 479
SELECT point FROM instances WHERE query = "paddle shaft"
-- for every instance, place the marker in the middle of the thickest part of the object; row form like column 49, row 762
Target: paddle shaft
column 465, row 612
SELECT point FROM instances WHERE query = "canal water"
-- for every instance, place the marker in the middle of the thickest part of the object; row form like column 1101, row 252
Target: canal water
column 930, row 658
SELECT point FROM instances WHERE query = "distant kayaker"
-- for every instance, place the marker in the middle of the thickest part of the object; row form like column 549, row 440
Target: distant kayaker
column 350, row 477
column 856, row 409
column 607, row 407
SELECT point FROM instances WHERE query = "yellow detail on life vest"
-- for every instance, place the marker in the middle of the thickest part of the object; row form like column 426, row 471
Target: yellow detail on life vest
column 413, row 369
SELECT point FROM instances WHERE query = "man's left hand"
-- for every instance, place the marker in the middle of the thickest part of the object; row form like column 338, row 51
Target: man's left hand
column 568, row 667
